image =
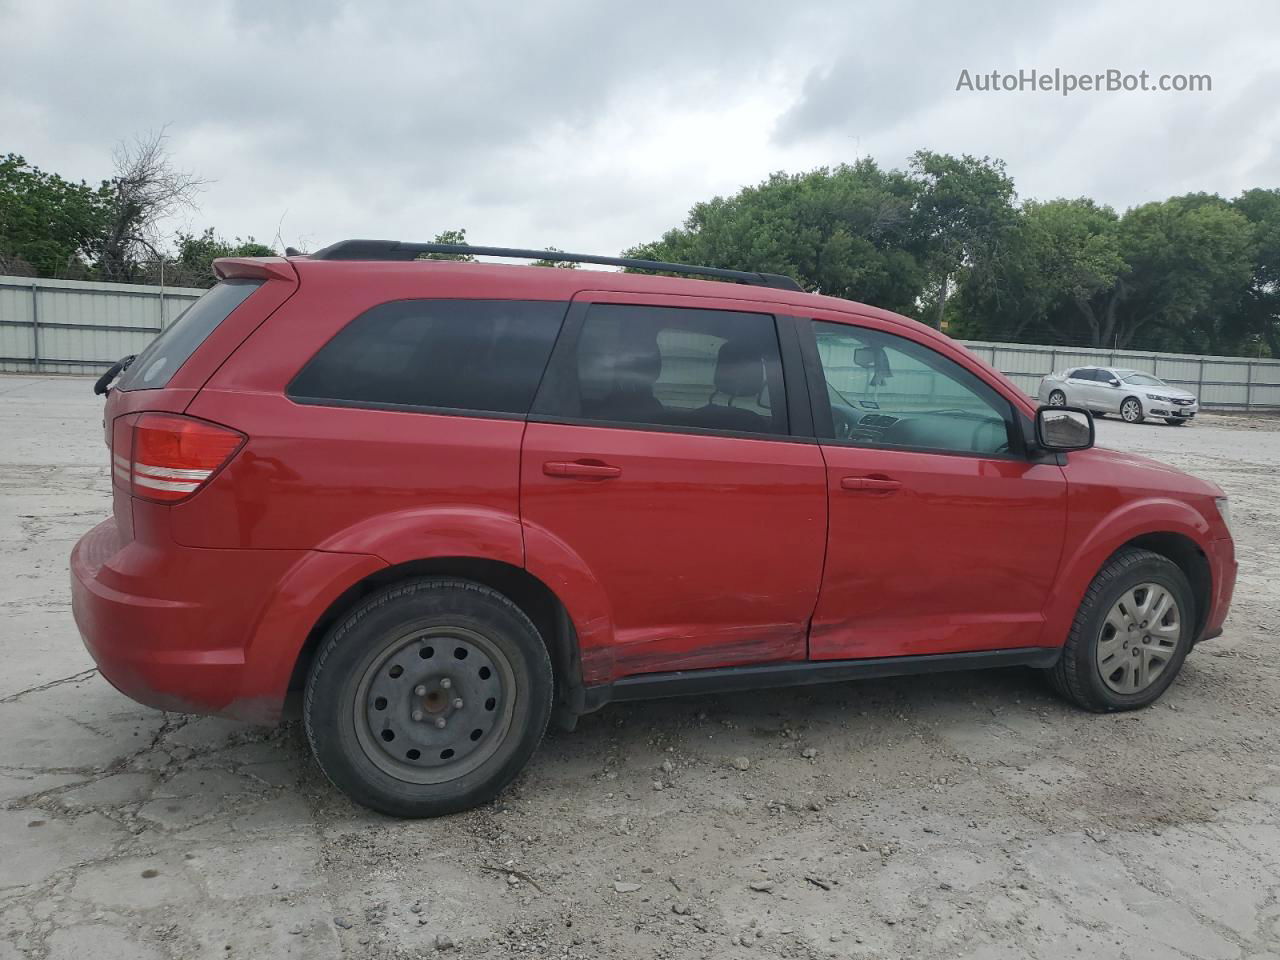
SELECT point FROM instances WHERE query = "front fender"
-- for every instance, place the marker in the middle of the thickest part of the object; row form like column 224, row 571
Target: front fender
column 1107, row 534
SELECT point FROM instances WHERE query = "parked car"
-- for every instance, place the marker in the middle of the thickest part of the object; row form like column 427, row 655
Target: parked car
column 1131, row 393
column 451, row 501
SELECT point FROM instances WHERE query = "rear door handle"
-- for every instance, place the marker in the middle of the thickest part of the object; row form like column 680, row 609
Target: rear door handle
column 581, row 469
column 870, row 484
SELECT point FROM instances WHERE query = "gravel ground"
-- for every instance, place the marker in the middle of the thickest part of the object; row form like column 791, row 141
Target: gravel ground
column 967, row 815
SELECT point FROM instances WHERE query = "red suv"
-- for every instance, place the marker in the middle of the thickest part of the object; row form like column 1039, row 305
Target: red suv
column 451, row 500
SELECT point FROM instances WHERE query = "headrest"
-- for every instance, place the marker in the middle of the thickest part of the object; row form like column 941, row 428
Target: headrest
column 739, row 369
column 638, row 363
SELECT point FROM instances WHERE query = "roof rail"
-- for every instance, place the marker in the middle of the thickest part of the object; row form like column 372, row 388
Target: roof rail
column 398, row 250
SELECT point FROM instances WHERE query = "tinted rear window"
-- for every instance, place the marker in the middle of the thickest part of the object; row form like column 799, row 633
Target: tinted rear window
column 484, row 356
column 174, row 346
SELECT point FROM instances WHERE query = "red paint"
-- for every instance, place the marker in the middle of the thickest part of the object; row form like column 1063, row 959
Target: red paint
column 668, row 550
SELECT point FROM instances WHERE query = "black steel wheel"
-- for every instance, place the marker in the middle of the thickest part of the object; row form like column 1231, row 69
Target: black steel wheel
column 428, row 698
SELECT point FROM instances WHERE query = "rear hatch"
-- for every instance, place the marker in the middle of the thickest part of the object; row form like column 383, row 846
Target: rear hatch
column 168, row 374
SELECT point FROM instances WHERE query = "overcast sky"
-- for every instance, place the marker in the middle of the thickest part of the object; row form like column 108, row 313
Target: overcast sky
column 593, row 125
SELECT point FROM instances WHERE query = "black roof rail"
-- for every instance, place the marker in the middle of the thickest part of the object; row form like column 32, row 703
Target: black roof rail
column 398, row 250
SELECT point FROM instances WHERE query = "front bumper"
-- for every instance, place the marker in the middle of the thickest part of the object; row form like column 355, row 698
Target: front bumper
column 197, row 630
column 1222, row 569
column 1159, row 408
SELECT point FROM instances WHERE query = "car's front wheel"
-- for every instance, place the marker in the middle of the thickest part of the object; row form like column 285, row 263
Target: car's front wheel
column 1130, row 635
column 428, row 698
column 1131, row 410
column 1057, row 398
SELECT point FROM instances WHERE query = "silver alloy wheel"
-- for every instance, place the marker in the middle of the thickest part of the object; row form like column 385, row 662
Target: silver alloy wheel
column 435, row 704
column 1057, row 399
column 1138, row 638
column 1131, row 411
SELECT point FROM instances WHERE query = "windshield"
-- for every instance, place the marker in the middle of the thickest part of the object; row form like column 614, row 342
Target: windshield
column 175, row 345
column 1144, row 380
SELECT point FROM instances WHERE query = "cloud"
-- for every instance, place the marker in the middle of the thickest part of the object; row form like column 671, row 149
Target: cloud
column 592, row 126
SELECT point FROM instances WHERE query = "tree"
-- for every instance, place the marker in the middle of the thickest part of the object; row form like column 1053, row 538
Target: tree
column 964, row 218
column 552, row 262
column 845, row 231
column 49, row 226
column 1186, row 257
column 1260, row 304
column 457, row 237
column 193, row 264
column 145, row 189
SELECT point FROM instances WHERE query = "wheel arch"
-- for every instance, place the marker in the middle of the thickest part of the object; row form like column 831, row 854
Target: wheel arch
column 534, row 598
column 1165, row 526
column 1191, row 560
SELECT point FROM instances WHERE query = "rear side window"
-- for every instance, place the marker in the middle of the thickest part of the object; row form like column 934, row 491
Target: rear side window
column 713, row 370
column 483, row 356
column 171, row 349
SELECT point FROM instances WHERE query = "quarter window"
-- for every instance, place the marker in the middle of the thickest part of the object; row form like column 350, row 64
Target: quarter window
column 888, row 391
column 484, row 356
column 712, row 370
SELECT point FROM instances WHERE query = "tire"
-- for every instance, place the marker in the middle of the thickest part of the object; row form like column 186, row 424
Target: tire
column 1057, row 398
column 1131, row 410
column 406, row 659
column 1176, row 421
column 1079, row 674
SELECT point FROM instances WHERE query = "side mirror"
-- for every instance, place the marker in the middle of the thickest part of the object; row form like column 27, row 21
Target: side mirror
column 864, row 356
column 1062, row 429
column 1114, row 382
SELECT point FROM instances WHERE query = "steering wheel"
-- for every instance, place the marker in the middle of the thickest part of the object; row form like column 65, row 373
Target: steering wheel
column 843, row 423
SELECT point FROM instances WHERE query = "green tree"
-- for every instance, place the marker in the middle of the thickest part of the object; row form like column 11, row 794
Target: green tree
column 192, row 266
column 1260, row 304
column 964, row 219
column 48, row 226
column 843, row 231
column 552, row 262
column 1186, row 259
column 457, row 237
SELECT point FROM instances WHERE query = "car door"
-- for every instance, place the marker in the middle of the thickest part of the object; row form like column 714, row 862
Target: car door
column 943, row 535
column 1108, row 392
column 664, row 467
column 1081, row 386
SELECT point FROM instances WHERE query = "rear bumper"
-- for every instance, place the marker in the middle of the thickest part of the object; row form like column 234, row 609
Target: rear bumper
column 197, row 630
column 1222, row 570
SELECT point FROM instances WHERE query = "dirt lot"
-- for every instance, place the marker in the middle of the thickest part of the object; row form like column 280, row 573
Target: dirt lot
column 966, row 815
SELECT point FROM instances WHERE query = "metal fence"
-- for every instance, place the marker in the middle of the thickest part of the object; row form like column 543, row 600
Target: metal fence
column 1221, row 383
column 71, row 326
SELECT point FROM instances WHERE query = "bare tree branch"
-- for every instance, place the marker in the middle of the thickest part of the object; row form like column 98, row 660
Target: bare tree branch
column 146, row 189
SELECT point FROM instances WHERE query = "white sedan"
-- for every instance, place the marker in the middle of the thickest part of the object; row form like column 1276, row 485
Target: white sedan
column 1131, row 393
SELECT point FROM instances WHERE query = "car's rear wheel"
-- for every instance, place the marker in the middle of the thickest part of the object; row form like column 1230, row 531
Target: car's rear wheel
column 428, row 698
column 1057, row 398
column 1175, row 421
column 1131, row 410
column 1130, row 635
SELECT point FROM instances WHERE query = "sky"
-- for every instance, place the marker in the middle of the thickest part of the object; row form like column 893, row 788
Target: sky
column 592, row 126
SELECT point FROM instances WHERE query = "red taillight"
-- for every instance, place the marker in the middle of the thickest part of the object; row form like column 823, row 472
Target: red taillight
column 173, row 456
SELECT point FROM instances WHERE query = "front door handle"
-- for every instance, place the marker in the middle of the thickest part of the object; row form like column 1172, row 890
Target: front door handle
column 583, row 469
column 870, row 484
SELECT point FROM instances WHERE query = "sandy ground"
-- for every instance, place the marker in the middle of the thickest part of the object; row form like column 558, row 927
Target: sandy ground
column 969, row 815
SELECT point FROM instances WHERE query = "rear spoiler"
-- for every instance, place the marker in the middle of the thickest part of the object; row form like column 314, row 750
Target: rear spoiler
column 254, row 268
